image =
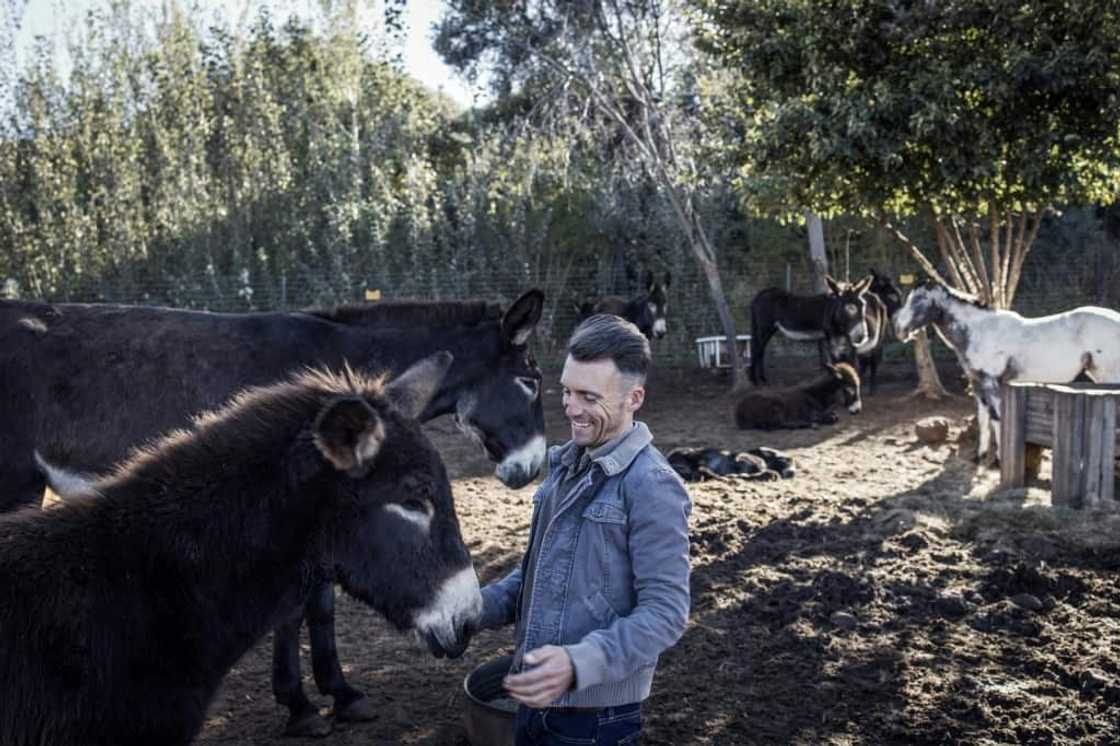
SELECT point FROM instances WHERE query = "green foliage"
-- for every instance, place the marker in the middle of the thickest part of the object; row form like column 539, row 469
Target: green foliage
column 866, row 105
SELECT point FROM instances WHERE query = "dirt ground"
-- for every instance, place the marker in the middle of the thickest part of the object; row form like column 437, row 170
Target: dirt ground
column 885, row 594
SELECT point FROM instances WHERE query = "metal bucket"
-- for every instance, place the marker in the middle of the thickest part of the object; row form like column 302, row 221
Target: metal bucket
column 488, row 722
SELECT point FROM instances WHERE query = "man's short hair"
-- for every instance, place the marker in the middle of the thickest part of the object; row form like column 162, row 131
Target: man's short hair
column 605, row 335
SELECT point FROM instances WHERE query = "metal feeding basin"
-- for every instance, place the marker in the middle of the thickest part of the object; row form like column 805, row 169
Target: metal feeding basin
column 489, row 711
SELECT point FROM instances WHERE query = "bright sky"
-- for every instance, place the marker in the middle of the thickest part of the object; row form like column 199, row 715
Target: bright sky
column 52, row 19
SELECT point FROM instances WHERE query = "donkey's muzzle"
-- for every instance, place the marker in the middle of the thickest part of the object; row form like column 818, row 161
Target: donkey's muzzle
column 449, row 648
column 521, row 466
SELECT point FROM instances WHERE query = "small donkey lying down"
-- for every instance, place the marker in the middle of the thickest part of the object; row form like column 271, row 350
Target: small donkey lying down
column 806, row 405
column 699, row 464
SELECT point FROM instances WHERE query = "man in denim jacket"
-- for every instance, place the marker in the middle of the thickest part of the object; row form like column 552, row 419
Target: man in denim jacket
column 603, row 587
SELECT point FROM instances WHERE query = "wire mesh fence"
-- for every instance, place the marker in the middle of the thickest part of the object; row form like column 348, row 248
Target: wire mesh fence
column 691, row 312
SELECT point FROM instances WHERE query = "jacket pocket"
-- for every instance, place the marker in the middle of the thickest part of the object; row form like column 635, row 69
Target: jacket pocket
column 602, row 511
column 600, row 607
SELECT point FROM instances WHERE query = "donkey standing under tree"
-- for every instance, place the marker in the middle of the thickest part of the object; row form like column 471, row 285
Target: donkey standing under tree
column 883, row 301
column 835, row 316
column 121, row 613
column 994, row 346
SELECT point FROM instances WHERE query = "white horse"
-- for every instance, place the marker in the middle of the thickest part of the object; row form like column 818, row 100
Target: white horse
column 994, row 346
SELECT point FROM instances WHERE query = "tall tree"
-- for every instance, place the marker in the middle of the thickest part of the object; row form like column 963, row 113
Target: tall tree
column 979, row 115
column 629, row 64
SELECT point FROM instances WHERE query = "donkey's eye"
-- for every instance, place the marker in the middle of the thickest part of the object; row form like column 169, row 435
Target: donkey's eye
column 852, row 309
column 531, row 385
column 416, row 506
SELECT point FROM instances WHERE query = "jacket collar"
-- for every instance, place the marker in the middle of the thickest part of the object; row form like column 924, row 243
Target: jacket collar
column 615, row 460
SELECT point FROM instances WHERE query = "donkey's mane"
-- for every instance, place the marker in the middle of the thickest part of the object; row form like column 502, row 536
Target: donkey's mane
column 956, row 294
column 431, row 313
column 253, row 418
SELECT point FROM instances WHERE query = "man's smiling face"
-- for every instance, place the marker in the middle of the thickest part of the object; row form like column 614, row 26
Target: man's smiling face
column 599, row 400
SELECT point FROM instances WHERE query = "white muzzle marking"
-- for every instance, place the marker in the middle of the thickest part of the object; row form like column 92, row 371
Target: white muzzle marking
column 858, row 333
column 458, row 602
column 659, row 327
column 524, row 462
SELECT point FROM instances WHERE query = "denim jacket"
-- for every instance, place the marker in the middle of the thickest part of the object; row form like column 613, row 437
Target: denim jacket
column 611, row 577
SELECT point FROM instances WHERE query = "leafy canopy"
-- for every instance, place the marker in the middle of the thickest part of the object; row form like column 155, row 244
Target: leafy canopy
column 871, row 105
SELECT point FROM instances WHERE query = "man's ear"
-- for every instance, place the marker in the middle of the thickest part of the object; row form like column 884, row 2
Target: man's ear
column 635, row 398
column 349, row 433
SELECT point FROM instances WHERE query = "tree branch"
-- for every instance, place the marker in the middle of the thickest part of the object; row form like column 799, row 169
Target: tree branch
column 997, row 262
column 916, row 252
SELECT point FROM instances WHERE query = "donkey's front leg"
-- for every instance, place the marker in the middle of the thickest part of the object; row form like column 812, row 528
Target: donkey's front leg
column 988, row 396
column 349, row 703
column 303, row 719
column 983, row 428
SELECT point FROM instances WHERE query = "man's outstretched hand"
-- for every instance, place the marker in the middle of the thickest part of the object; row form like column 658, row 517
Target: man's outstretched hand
column 550, row 676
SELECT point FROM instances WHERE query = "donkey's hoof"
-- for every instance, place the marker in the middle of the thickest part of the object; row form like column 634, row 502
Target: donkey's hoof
column 358, row 711
column 309, row 724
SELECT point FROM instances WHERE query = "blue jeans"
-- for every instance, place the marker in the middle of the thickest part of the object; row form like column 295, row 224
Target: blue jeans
column 564, row 726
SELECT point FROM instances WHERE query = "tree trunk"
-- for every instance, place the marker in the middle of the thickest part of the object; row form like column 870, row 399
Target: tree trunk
column 727, row 321
column 929, row 381
column 817, row 254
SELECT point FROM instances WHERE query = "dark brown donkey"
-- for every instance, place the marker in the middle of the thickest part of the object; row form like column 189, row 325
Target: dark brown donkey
column 805, row 405
column 80, row 385
column 647, row 311
column 837, row 317
column 120, row 614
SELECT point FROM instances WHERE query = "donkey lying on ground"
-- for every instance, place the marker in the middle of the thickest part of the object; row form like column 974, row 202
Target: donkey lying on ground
column 995, row 346
column 806, row 405
column 834, row 317
column 646, row 311
column 700, row 464
column 83, row 384
column 122, row 613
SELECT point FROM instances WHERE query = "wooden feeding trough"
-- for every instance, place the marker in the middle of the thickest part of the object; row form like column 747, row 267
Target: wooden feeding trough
column 1077, row 421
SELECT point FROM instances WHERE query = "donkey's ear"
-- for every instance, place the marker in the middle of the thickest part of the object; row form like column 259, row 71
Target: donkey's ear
column 648, row 279
column 519, row 321
column 833, row 285
column 349, row 433
column 862, row 286
column 413, row 390
column 668, row 278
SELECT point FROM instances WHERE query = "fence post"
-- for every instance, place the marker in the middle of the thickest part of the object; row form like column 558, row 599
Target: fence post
column 283, row 291
column 1012, row 436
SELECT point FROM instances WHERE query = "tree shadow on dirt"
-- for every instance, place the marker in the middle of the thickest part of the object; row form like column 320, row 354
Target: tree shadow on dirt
column 811, row 629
